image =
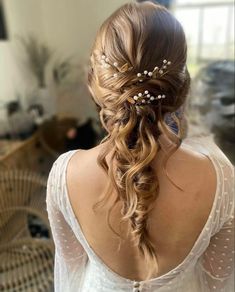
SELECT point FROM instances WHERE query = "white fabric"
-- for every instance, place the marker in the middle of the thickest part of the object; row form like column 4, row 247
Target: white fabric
column 208, row 267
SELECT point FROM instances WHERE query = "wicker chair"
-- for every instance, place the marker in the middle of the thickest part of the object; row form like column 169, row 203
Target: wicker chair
column 26, row 262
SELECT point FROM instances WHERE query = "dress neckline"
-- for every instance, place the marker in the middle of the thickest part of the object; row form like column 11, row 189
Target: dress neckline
column 172, row 271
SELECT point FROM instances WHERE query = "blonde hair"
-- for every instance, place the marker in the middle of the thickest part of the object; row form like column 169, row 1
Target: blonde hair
column 137, row 36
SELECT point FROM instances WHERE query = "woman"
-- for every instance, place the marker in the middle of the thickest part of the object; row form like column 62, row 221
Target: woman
column 146, row 210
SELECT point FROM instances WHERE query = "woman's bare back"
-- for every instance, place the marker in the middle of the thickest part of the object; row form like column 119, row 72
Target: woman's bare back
column 174, row 224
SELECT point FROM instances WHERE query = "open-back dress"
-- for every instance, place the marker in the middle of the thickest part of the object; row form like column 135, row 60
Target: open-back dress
column 207, row 267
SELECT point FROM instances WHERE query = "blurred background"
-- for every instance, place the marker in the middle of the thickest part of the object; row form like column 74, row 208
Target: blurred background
column 46, row 109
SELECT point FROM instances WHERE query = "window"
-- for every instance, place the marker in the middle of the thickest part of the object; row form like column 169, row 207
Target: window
column 209, row 27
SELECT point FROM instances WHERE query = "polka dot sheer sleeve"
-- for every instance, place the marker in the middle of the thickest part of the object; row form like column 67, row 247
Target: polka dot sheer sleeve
column 69, row 253
column 218, row 259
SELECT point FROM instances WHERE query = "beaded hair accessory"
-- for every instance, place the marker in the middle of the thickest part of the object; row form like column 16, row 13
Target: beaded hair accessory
column 145, row 97
column 156, row 71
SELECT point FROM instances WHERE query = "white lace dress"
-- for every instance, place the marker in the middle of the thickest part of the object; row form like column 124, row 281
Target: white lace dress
column 208, row 267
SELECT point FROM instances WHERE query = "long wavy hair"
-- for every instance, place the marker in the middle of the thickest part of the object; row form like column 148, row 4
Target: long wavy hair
column 135, row 38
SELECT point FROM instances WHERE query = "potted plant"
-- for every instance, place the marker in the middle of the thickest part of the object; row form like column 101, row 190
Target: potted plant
column 38, row 56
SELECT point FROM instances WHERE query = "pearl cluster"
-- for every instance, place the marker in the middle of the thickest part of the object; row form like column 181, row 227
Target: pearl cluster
column 155, row 72
column 105, row 63
column 145, row 98
column 140, row 98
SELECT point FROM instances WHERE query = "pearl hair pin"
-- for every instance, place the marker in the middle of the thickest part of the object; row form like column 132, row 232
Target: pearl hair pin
column 105, row 63
column 156, row 71
column 145, row 98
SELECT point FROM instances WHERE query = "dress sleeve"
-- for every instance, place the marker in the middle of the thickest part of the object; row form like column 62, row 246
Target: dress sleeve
column 218, row 259
column 70, row 256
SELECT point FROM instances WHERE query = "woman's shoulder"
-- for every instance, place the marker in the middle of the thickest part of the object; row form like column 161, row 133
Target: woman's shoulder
column 217, row 161
column 214, row 174
column 207, row 146
column 59, row 166
column 56, row 182
column 83, row 164
column 60, row 162
column 83, row 159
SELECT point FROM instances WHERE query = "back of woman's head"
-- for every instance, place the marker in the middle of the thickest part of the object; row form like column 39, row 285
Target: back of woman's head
column 138, row 74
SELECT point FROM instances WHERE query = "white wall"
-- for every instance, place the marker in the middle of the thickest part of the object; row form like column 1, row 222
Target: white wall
column 68, row 26
column 22, row 17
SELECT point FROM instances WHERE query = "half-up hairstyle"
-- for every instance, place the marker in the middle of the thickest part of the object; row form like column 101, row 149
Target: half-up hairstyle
column 136, row 38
